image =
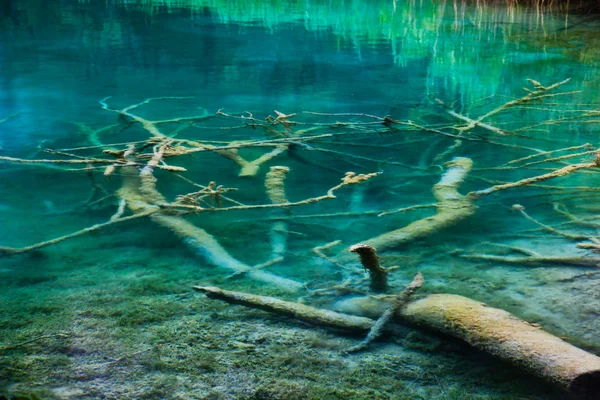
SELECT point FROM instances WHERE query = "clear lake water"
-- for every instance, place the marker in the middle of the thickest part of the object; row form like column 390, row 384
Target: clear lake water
column 319, row 87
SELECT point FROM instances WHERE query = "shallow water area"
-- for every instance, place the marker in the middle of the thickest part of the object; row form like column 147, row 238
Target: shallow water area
column 158, row 124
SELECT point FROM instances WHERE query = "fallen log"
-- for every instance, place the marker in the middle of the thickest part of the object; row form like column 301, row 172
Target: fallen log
column 501, row 334
column 140, row 193
column 452, row 207
column 295, row 310
column 489, row 329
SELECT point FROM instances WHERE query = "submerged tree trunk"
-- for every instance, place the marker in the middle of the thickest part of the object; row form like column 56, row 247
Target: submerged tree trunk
column 499, row 333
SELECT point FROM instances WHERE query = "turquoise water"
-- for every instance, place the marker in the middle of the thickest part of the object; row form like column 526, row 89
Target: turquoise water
column 111, row 313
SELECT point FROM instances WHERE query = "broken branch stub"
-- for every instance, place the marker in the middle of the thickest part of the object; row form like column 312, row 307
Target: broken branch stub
column 370, row 261
column 275, row 188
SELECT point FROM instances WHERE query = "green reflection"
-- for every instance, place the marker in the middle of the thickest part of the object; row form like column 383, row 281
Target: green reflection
column 470, row 47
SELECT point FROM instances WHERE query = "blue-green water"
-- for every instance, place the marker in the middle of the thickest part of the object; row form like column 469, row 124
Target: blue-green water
column 111, row 314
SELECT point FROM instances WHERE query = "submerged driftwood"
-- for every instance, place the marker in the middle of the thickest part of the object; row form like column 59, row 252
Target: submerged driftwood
column 397, row 304
column 452, row 207
column 499, row 333
column 139, row 192
column 489, row 329
column 295, row 310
